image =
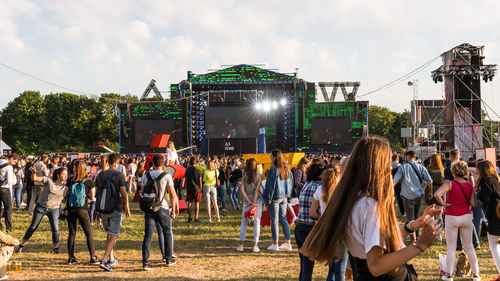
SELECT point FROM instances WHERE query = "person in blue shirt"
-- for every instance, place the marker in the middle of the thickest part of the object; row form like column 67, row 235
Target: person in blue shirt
column 413, row 178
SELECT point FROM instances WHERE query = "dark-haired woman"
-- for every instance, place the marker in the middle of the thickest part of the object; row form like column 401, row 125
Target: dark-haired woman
column 48, row 205
column 305, row 222
column 361, row 217
column 79, row 212
column 300, row 176
column 250, row 187
column 279, row 185
column 489, row 193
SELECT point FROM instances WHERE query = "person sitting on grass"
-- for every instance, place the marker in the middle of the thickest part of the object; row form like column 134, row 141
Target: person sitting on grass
column 250, row 189
column 7, row 244
column 48, row 204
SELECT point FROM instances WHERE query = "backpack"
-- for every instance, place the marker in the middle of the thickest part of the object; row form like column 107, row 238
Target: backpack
column 107, row 197
column 1, row 167
column 150, row 200
column 77, row 196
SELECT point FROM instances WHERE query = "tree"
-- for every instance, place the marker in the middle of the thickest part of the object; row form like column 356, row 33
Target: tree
column 61, row 122
column 386, row 123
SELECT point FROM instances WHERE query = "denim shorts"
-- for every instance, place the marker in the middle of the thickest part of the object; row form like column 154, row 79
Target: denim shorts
column 112, row 222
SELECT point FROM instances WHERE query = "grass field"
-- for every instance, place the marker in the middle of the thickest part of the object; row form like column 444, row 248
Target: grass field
column 205, row 252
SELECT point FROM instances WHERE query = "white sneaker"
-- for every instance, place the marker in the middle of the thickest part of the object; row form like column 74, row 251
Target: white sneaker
column 273, row 247
column 239, row 248
column 5, row 277
column 446, row 278
column 255, row 249
column 286, row 247
column 476, row 278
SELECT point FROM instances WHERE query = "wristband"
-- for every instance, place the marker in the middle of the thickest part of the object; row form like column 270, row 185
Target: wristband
column 410, row 231
column 417, row 246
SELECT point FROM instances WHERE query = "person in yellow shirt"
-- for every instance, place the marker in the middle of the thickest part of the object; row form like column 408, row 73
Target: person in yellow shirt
column 210, row 188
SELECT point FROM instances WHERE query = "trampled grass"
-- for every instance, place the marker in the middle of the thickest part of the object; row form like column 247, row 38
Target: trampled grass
column 206, row 251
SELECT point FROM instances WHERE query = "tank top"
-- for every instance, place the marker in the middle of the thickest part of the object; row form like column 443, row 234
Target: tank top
column 460, row 205
column 250, row 188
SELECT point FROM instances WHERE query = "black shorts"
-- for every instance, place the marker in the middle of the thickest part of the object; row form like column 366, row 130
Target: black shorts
column 193, row 197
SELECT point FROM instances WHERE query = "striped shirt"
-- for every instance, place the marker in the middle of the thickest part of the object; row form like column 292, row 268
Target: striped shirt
column 305, row 201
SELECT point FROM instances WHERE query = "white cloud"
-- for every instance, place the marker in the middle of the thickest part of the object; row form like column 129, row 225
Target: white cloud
column 119, row 45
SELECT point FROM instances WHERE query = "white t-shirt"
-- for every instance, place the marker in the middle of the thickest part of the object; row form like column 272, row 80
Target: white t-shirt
column 164, row 182
column 132, row 167
column 172, row 156
column 317, row 195
column 363, row 231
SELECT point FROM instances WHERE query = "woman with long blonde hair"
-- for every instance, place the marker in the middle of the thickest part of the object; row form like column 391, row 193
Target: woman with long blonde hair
column 279, row 185
column 361, row 217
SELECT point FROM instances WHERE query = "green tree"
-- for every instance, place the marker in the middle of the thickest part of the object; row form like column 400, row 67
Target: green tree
column 386, row 123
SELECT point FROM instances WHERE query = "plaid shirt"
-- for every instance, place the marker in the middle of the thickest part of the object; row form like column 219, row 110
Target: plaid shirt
column 305, row 201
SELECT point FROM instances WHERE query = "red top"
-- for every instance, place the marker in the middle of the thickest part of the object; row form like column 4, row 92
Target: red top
column 460, row 205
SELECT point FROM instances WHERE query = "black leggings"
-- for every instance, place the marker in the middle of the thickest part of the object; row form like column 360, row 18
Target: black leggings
column 82, row 215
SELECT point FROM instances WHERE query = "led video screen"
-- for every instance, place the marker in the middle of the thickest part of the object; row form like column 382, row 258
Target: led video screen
column 146, row 129
column 331, row 131
column 231, row 122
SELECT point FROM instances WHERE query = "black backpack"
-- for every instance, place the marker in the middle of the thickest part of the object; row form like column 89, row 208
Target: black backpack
column 107, row 197
column 151, row 198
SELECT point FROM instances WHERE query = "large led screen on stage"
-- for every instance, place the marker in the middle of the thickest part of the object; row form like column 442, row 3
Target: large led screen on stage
column 231, row 122
column 331, row 130
column 146, row 129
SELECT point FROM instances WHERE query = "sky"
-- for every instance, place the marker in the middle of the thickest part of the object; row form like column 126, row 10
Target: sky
column 100, row 46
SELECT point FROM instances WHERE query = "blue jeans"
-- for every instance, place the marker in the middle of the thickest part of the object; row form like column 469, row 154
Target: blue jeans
column 306, row 265
column 256, row 221
column 16, row 193
column 336, row 270
column 38, row 214
column 232, row 194
column 221, row 194
column 161, row 217
column 277, row 212
column 477, row 215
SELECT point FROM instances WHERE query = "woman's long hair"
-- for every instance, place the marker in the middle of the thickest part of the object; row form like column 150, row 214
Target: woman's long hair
column 436, row 162
column 103, row 165
column 211, row 165
column 280, row 164
column 329, row 180
column 303, row 164
column 171, row 146
column 368, row 173
column 486, row 169
column 80, row 171
column 250, row 171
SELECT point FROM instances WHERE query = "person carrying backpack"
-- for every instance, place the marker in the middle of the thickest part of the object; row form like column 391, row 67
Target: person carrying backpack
column 111, row 201
column 79, row 193
column 413, row 177
column 156, row 184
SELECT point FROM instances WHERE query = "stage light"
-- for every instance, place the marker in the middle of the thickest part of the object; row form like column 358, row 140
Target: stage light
column 283, row 102
column 258, row 106
column 275, row 104
column 266, row 106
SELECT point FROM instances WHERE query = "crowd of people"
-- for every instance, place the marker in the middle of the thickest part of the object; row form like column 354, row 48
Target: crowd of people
column 347, row 204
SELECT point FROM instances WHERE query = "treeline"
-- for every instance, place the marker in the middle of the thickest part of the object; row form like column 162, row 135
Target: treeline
column 61, row 122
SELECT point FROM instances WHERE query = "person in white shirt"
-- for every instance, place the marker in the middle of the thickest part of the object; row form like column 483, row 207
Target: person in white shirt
column 163, row 215
column 172, row 157
column 132, row 182
column 361, row 217
column 7, row 181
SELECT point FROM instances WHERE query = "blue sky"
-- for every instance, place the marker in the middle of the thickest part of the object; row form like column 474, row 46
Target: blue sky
column 118, row 46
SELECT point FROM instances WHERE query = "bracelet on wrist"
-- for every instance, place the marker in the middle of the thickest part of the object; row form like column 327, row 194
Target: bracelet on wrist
column 417, row 246
column 407, row 229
